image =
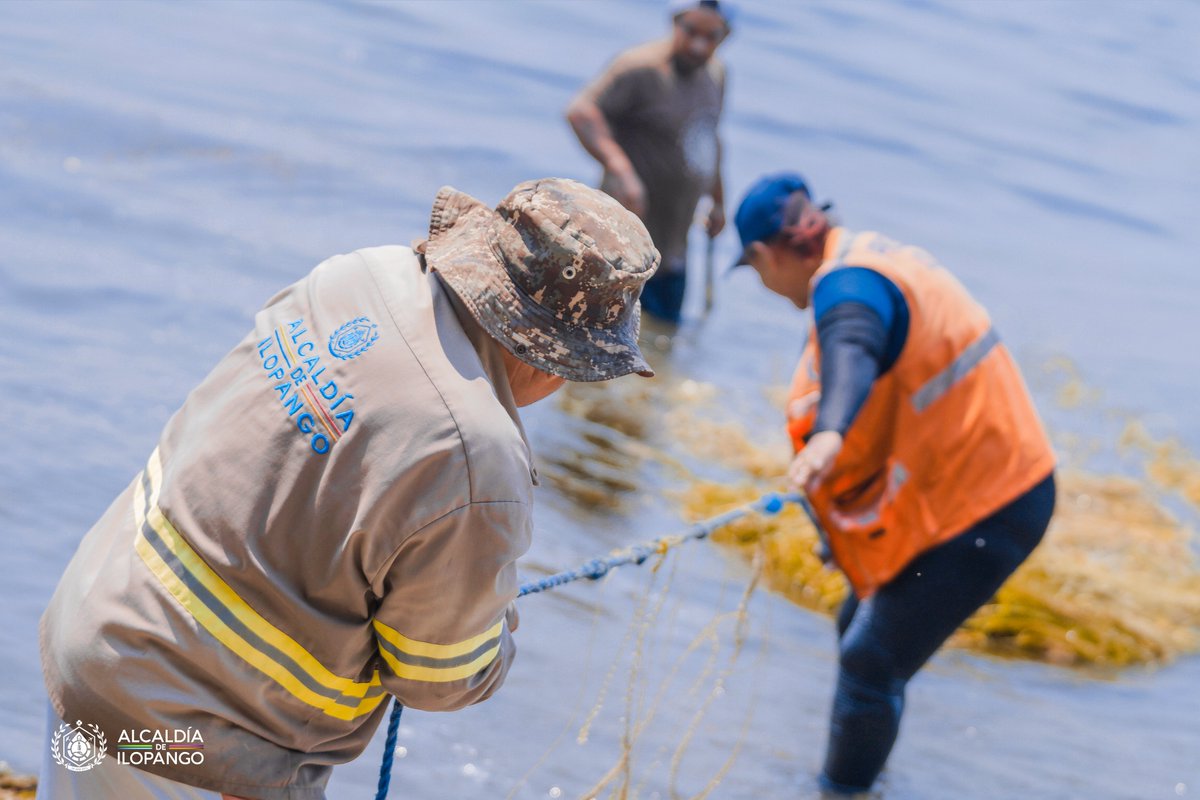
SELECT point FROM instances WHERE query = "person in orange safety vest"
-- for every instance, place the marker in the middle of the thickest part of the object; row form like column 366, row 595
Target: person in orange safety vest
column 916, row 442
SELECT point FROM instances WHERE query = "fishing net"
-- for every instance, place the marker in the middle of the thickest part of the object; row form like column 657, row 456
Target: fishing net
column 1115, row 582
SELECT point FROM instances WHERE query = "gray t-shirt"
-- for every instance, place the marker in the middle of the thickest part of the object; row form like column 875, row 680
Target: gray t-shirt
column 666, row 121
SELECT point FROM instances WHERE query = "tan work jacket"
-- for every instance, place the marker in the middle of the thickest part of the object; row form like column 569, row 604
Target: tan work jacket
column 333, row 515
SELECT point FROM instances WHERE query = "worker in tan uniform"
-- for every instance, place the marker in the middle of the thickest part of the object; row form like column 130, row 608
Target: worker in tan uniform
column 650, row 120
column 335, row 513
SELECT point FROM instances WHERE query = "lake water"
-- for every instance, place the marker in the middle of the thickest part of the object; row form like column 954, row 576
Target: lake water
column 165, row 167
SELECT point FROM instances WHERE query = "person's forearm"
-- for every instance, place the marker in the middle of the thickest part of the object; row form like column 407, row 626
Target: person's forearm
column 594, row 134
column 853, row 341
column 718, row 187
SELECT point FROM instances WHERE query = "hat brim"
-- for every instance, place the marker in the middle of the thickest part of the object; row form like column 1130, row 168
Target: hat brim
column 466, row 256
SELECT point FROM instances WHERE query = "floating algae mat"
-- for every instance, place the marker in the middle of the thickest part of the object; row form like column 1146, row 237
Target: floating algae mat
column 16, row 787
column 1115, row 582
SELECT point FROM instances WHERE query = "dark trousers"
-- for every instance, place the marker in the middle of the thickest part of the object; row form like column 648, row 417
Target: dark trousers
column 885, row 639
column 662, row 295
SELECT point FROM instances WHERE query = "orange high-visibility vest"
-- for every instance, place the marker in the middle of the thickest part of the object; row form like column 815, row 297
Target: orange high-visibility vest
column 948, row 436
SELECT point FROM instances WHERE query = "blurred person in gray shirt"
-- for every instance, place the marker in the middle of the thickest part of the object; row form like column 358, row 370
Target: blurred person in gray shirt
column 650, row 120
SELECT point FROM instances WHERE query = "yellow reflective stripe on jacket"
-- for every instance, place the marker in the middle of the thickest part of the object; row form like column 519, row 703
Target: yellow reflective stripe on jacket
column 215, row 605
column 437, row 663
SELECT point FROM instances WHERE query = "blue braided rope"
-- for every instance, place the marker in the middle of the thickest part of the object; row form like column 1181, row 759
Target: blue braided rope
column 594, row 570
column 636, row 554
column 389, row 751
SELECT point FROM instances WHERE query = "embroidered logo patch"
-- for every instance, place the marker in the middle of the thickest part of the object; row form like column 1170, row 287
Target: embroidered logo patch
column 353, row 338
column 322, row 409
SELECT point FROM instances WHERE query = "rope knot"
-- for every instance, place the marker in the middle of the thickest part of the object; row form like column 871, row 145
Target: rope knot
column 772, row 504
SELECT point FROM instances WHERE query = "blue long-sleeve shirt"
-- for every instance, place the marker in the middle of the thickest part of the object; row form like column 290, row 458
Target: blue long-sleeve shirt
column 862, row 324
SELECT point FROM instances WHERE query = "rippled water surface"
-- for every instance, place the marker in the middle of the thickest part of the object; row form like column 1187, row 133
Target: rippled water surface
column 165, row 167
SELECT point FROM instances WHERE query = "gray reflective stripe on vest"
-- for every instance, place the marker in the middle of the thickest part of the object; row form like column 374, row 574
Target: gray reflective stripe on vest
column 844, row 245
column 956, row 370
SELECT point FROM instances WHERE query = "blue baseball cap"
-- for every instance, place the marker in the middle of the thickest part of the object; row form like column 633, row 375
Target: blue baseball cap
column 760, row 214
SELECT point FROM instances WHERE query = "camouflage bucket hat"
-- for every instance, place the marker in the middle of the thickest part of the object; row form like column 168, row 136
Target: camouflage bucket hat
column 553, row 273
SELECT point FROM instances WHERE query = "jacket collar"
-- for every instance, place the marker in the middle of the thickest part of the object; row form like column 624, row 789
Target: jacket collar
column 488, row 351
column 837, row 245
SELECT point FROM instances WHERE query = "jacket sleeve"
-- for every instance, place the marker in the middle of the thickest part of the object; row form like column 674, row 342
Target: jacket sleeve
column 862, row 322
column 853, row 340
column 443, row 626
